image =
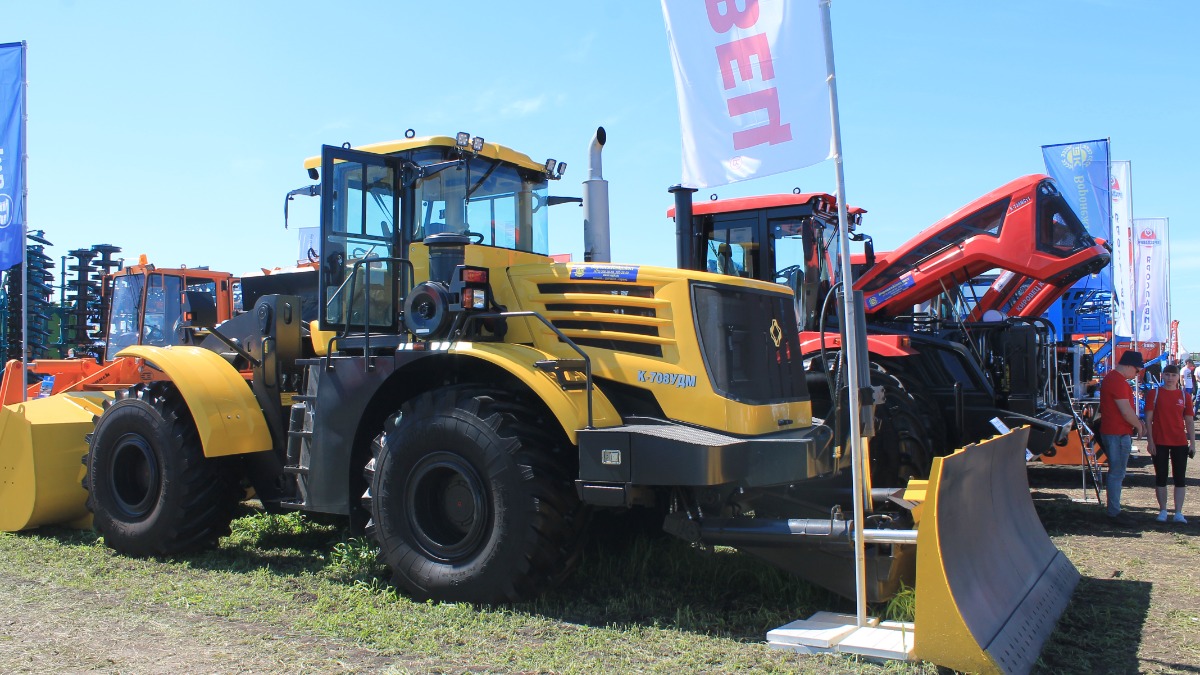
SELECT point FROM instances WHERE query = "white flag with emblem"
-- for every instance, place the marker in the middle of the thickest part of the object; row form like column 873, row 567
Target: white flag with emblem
column 750, row 77
column 1150, row 275
column 1122, row 238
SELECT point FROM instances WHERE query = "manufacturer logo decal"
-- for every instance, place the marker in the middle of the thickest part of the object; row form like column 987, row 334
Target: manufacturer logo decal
column 1019, row 204
column 670, row 379
column 605, row 272
column 776, row 332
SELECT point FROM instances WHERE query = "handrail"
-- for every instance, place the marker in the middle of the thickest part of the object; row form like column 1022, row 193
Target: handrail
column 352, row 280
column 587, row 360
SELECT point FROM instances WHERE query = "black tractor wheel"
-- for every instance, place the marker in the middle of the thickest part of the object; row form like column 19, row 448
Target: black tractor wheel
column 903, row 444
column 469, row 499
column 150, row 488
column 901, row 449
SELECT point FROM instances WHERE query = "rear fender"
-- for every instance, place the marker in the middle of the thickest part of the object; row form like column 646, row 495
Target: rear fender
column 228, row 417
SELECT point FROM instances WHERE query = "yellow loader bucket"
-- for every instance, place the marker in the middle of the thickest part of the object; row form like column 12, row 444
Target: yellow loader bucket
column 990, row 583
column 41, row 451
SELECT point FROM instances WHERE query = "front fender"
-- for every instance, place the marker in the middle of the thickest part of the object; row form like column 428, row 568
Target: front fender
column 228, row 417
column 570, row 407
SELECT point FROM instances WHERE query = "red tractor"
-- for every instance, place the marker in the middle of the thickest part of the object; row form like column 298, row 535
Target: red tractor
column 947, row 370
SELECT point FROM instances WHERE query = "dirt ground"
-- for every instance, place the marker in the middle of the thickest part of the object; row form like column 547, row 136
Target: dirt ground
column 1139, row 603
column 50, row 629
column 1141, row 587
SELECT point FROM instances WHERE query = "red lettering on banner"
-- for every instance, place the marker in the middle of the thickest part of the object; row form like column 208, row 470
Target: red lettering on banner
column 772, row 132
column 739, row 52
column 724, row 14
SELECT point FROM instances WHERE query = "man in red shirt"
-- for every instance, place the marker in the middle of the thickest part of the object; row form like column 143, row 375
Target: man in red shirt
column 1118, row 420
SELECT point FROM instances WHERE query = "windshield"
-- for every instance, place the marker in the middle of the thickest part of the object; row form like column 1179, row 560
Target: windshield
column 1059, row 232
column 124, row 311
column 499, row 204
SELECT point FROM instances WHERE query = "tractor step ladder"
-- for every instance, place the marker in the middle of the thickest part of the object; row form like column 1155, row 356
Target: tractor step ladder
column 300, row 432
column 1087, row 440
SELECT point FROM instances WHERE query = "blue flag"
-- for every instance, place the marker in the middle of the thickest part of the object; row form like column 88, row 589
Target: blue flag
column 1081, row 171
column 12, row 154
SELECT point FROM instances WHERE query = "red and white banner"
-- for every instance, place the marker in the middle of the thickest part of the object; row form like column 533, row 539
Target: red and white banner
column 1121, row 190
column 1175, row 341
column 750, row 76
column 1151, row 273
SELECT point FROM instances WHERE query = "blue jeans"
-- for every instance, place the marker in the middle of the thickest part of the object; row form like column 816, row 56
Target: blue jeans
column 1117, row 449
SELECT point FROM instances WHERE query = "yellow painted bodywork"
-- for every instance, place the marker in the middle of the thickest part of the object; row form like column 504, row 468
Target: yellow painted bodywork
column 490, row 151
column 320, row 338
column 228, row 417
column 569, row 407
column 690, row 401
column 42, row 446
column 990, row 582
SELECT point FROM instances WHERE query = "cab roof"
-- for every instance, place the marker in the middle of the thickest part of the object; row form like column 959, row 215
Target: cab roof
column 820, row 201
column 490, row 151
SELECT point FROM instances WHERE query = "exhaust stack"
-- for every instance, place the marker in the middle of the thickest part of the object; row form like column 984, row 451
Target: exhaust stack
column 687, row 239
column 596, row 238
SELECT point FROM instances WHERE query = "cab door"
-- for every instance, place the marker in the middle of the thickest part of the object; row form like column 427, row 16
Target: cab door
column 361, row 239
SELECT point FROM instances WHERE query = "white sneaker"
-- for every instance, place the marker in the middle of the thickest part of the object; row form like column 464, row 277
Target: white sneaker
column 1179, row 518
column 1162, row 516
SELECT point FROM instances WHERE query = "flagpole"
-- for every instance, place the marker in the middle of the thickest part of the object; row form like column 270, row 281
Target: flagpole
column 24, row 230
column 851, row 341
column 1113, row 307
column 1167, row 260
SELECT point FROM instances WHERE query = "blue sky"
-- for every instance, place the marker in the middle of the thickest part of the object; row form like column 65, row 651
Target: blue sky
column 174, row 129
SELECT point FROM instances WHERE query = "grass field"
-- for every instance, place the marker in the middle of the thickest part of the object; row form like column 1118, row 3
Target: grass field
column 291, row 593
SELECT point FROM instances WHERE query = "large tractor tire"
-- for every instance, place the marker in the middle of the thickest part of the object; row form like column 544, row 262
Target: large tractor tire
column 469, row 499
column 903, row 444
column 150, row 488
column 902, row 447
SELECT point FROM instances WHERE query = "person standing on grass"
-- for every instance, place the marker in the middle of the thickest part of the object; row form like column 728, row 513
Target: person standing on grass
column 1118, row 420
column 1172, row 438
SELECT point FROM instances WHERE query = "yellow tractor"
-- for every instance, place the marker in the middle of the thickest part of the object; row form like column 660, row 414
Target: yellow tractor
column 469, row 402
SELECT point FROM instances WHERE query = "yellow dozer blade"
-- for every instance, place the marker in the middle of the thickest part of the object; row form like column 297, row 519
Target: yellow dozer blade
column 41, row 451
column 990, row 583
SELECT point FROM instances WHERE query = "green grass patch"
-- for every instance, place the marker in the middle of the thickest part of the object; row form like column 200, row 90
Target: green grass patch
column 637, row 603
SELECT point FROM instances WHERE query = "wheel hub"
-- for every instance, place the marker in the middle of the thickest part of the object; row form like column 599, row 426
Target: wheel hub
column 134, row 476
column 447, row 507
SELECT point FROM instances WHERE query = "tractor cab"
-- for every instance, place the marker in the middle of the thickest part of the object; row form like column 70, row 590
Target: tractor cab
column 405, row 212
column 152, row 306
column 786, row 238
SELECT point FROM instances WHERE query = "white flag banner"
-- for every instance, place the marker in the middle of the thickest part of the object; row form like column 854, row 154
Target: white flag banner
column 1121, row 190
column 1151, row 274
column 750, row 76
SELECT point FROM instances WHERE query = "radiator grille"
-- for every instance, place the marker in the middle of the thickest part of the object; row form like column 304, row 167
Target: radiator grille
column 751, row 343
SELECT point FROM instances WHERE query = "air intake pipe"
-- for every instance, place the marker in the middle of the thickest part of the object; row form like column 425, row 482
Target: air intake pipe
column 596, row 238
